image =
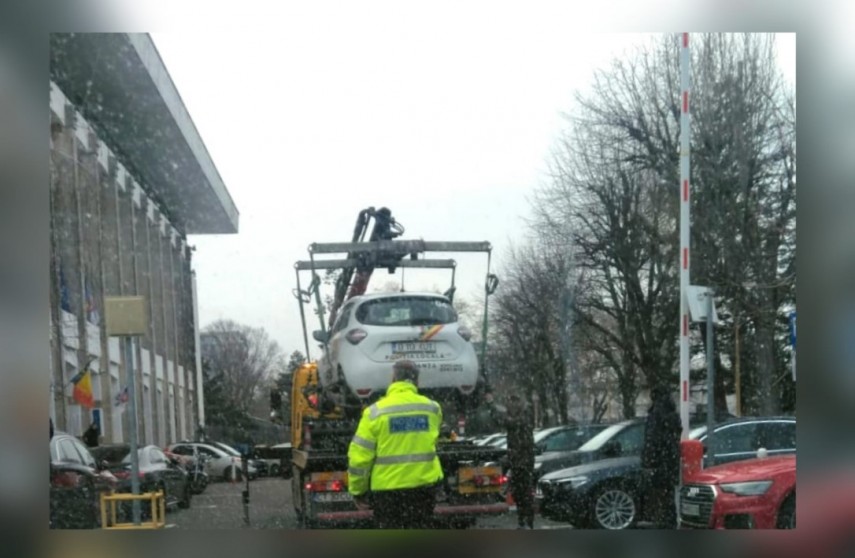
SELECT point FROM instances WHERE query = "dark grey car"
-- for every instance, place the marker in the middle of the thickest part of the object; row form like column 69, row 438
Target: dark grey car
column 617, row 440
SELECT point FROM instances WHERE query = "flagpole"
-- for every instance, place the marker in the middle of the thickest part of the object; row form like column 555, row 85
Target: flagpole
column 132, row 408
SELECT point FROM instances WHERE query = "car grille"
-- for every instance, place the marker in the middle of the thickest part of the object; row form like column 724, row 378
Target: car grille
column 699, row 495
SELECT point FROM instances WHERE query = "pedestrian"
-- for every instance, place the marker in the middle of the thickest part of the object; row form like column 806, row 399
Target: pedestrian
column 393, row 454
column 660, row 457
column 518, row 421
column 90, row 437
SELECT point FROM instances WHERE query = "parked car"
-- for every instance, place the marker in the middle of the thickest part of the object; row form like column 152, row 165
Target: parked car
column 565, row 438
column 221, row 464
column 156, row 472
column 231, row 450
column 617, row 440
column 609, row 493
column 757, row 493
column 276, row 458
column 76, row 484
column 374, row 330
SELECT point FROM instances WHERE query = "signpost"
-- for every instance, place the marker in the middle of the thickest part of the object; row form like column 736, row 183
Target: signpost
column 126, row 318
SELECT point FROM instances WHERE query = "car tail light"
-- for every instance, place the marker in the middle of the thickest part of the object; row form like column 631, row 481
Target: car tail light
column 354, row 336
column 325, row 486
column 464, row 332
column 490, row 480
column 124, row 475
column 364, row 392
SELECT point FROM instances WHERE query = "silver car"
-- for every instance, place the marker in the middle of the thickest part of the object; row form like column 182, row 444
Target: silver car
column 221, row 463
column 373, row 331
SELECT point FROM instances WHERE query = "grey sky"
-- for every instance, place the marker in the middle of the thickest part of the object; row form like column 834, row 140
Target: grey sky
column 312, row 114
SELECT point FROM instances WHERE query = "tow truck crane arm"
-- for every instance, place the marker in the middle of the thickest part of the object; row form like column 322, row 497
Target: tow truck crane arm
column 347, row 286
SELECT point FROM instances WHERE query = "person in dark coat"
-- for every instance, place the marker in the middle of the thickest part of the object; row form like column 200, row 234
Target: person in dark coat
column 90, row 437
column 660, row 457
column 518, row 422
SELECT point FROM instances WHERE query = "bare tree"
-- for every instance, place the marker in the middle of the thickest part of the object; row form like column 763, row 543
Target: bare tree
column 243, row 359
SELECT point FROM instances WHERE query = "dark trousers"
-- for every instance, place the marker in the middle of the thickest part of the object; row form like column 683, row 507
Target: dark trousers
column 408, row 508
column 660, row 504
column 522, row 490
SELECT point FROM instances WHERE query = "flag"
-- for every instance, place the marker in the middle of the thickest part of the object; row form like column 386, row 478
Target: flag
column 83, row 389
column 92, row 314
column 122, row 397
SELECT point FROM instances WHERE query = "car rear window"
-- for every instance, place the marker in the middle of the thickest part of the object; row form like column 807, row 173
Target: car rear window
column 406, row 311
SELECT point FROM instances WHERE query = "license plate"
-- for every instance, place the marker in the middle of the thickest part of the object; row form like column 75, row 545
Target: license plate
column 408, row 347
column 332, row 497
column 693, row 510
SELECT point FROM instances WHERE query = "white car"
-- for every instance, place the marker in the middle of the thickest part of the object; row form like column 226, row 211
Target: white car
column 373, row 331
column 221, row 463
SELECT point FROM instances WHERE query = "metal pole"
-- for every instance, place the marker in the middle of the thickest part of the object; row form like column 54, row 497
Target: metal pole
column 132, row 409
column 484, row 326
column 737, row 374
column 685, row 130
column 710, row 375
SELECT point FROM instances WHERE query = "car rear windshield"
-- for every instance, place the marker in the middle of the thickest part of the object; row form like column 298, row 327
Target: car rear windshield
column 406, row 311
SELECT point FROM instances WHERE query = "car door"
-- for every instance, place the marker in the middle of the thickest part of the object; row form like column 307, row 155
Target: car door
column 731, row 442
column 631, row 440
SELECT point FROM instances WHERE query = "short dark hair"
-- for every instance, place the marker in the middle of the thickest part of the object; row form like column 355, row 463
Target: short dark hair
column 405, row 371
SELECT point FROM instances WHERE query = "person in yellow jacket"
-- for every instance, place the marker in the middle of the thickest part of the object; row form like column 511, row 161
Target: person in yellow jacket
column 393, row 454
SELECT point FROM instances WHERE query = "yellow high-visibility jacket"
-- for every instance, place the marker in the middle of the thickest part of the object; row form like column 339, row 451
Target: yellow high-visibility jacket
column 395, row 443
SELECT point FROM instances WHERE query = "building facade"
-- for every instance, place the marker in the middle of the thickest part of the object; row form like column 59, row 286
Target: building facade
column 130, row 179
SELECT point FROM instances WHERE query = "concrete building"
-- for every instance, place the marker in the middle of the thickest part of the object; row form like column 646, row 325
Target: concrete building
column 130, row 179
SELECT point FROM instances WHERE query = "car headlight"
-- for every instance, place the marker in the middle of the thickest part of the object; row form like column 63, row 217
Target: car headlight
column 572, row 482
column 755, row 488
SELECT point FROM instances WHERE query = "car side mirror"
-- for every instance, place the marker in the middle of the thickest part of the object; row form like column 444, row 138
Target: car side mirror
column 320, row 336
column 538, row 450
column 103, row 465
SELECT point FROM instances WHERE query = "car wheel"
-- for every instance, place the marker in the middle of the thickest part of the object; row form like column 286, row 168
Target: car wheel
column 787, row 514
column 613, row 508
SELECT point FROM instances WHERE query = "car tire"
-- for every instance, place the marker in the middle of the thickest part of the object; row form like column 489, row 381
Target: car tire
column 787, row 513
column 613, row 507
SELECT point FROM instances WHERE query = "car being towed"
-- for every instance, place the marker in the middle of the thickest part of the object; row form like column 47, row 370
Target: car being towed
column 373, row 331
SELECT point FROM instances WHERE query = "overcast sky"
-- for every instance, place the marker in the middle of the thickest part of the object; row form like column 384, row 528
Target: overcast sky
column 312, row 114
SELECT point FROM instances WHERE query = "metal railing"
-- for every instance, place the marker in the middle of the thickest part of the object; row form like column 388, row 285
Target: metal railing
column 110, row 520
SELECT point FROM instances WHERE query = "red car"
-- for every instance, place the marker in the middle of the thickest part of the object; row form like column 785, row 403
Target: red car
column 752, row 494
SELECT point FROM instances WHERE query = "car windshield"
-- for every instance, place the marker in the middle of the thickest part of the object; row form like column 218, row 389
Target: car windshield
column 541, row 434
column 406, row 311
column 600, row 439
column 228, row 449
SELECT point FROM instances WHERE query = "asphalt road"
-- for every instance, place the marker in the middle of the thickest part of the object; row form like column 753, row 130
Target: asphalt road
column 221, row 507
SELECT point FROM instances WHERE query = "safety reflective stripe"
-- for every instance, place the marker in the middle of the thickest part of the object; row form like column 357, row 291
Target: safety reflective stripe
column 405, row 408
column 405, row 458
column 362, row 442
column 357, row 472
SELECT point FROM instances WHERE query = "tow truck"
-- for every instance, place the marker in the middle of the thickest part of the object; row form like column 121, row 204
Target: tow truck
column 324, row 415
